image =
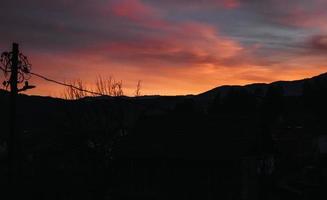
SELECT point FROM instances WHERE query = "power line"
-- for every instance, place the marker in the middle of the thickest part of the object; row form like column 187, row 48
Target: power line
column 53, row 81
column 65, row 84
column 60, row 83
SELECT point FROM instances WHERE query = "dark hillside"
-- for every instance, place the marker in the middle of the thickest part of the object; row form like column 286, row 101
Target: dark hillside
column 232, row 141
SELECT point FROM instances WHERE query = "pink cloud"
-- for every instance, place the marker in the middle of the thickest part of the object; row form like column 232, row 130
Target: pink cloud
column 187, row 42
column 175, row 42
column 231, row 4
column 193, row 5
column 132, row 9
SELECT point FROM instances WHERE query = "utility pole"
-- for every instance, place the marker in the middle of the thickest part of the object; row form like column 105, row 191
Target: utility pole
column 17, row 65
column 14, row 153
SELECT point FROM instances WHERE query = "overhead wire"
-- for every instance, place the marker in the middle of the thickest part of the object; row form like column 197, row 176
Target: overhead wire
column 58, row 82
column 65, row 84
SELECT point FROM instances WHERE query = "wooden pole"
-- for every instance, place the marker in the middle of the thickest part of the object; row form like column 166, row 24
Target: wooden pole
column 13, row 145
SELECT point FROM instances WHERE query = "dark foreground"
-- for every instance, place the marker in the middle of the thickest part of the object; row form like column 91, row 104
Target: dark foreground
column 254, row 142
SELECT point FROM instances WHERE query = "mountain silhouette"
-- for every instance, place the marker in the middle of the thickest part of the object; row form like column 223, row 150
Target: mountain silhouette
column 291, row 88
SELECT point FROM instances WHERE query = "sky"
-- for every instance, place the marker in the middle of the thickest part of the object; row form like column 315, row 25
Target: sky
column 173, row 46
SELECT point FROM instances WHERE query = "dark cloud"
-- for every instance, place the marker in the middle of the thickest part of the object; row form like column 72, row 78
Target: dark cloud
column 318, row 43
column 197, row 4
column 294, row 13
column 63, row 24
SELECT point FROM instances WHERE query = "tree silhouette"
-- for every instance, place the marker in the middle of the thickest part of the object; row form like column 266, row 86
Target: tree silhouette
column 103, row 87
column 138, row 89
column 72, row 93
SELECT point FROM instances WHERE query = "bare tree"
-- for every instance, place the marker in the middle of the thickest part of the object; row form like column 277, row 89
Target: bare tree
column 138, row 89
column 76, row 92
column 117, row 89
column 103, row 87
column 109, row 86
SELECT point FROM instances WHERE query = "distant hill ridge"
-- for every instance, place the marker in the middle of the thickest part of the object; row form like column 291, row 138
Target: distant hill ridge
column 291, row 88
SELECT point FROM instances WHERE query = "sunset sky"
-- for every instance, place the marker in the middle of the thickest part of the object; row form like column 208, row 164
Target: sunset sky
column 173, row 46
